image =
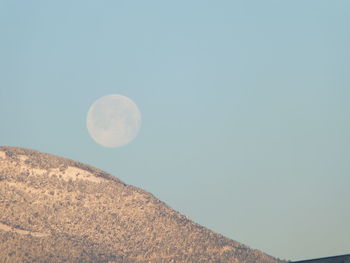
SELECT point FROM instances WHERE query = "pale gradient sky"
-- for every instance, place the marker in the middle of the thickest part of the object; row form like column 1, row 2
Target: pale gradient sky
column 245, row 107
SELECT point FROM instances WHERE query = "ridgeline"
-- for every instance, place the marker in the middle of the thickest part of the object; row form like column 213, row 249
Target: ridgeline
column 53, row 209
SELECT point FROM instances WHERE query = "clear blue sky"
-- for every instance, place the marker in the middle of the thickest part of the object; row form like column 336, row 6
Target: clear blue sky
column 245, row 107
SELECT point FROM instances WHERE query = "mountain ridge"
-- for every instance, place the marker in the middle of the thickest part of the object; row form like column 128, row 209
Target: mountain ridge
column 59, row 210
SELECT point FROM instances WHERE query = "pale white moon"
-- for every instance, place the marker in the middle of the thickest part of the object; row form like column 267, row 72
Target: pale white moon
column 113, row 120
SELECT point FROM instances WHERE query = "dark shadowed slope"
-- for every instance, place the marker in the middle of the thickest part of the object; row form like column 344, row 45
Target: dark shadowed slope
column 54, row 209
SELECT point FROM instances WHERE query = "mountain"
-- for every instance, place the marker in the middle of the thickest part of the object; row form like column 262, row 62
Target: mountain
column 53, row 209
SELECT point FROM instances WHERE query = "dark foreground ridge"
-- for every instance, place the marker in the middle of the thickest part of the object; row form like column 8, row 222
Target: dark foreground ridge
column 53, row 209
column 334, row 259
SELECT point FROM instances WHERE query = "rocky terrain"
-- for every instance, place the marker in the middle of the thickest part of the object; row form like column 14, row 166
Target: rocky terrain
column 54, row 209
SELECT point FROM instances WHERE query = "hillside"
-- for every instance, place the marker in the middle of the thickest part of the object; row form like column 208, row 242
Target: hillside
column 54, row 209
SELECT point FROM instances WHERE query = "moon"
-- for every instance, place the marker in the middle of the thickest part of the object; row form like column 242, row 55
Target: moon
column 113, row 120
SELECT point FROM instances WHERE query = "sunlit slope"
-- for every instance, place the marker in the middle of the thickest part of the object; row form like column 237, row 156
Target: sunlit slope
column 54, row 209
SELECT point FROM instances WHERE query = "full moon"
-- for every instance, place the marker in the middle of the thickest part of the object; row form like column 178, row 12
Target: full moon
column 113, row 120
